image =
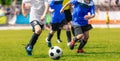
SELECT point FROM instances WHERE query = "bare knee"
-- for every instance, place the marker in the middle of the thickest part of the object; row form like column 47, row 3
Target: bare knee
column 38, row 29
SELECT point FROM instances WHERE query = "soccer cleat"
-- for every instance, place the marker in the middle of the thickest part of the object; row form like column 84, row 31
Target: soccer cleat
column 80, row 51
column 49, row 43
column 28, row 50
column 59, row 41
column 72, row 43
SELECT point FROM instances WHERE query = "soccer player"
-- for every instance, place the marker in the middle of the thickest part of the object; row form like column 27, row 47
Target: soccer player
column 68, row 18
column 37, row 14
column 107, row 19
column 80, row 18
column 57, row 21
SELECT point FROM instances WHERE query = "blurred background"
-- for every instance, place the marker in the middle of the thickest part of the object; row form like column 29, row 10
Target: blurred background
column 107, row 12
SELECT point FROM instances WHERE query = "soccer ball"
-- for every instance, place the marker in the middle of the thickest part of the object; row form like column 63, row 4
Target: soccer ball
column 55, row 52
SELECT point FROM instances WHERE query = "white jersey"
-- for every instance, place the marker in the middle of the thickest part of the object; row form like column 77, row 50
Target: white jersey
column 37, row 9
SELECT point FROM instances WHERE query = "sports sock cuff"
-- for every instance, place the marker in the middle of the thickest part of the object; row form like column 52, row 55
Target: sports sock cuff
column 75, row 39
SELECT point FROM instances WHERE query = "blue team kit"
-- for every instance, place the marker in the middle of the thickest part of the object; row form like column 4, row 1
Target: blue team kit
column 57, row 17
column 80, row 10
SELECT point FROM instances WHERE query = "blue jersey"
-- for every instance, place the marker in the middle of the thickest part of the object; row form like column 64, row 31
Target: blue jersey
column 80, row 10
column 57, row 17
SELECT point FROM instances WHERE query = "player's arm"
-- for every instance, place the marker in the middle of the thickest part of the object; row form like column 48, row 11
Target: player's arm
column 67, row 4
column 89, row 16
column 23, row 10
column 23, row 7
column 51, row 10
column 45, row 11
column 92, row 13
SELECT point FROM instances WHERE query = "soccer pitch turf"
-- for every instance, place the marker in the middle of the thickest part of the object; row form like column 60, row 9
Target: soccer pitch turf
column 103, row 45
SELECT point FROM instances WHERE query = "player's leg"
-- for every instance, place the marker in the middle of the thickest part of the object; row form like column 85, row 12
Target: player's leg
column 85, row 38
column 78, row 35
column 65, row 26
column 72, row 29
column 83, row 42
column 68, row 17
column 37, row 29
column 68, row 33
column 58, row 36
column 50, row 35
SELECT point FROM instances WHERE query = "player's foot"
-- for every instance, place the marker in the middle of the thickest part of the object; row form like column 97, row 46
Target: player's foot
column 49, row 43
column 72, row 43
column 28, row 50
column 80, row 51
column 59, row 41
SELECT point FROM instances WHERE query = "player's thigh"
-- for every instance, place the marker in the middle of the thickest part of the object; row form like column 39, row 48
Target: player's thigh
column 86, row 35
column 54, row 26
column 64, row 25
column 86, row 27
column 36, row 25
column 77, row 30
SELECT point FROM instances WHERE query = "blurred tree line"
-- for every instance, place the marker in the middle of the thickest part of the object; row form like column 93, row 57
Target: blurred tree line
column 6, row 2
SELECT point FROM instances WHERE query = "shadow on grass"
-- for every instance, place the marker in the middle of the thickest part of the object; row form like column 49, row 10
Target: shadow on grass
column 41, row 56
column 102, row 53
column 96, row 47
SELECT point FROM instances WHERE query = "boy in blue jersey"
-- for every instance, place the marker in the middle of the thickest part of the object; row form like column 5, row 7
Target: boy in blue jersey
column 68, row 18
column 57, row 21
column 80, row 18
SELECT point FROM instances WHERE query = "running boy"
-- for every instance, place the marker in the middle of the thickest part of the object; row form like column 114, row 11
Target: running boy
column 68, row 18
column 37, row 14
column 80, row 18
column 58, row 19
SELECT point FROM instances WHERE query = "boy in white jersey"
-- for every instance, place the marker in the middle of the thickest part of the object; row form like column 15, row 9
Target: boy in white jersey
column 38, row 10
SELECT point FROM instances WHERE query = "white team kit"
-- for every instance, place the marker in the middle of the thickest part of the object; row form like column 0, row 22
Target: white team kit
column 37, row 9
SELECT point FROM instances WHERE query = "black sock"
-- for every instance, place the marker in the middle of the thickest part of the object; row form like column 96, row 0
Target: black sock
column 75, row 39
column 58, row 33
column 49, row 37
column 33, row 39
column 68, row 33
column 73, row 31
column 82, row 44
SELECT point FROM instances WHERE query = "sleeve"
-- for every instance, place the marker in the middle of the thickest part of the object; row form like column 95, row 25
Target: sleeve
column 73, row 2
column 26, row 1
column 92, row 11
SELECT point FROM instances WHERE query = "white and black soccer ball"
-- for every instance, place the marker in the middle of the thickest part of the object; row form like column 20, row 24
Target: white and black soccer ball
column 55, row 52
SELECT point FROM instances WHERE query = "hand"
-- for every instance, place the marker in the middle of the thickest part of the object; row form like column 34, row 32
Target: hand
column 61, row 11
column 87, row 17
column 51, row 10
column 42, row 18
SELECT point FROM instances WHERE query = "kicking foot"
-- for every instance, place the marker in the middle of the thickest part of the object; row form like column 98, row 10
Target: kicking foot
column 72, row 44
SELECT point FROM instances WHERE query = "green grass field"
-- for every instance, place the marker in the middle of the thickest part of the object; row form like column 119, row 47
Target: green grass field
column 103, row 45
